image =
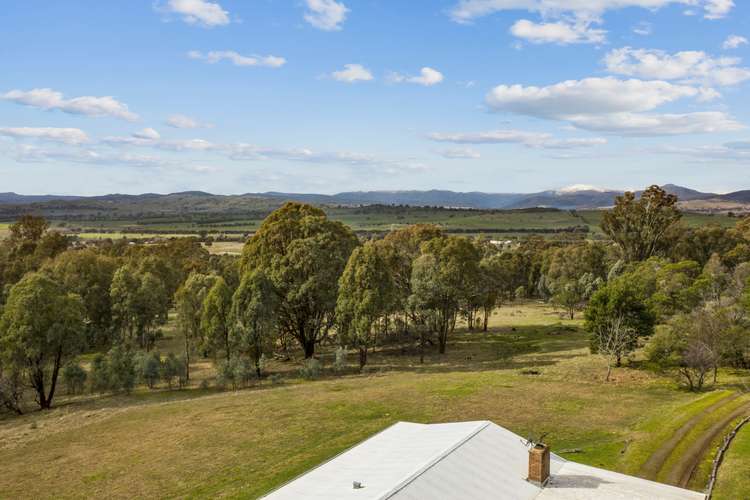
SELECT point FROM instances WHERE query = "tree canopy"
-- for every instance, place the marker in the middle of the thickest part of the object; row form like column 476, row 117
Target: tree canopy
column 639, row 225
column 40, row 329
column 302, row 253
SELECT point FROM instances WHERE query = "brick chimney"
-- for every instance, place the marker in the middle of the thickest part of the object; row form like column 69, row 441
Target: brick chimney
column 539, row 464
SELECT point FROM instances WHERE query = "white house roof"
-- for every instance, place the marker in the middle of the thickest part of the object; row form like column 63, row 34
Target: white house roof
column 477, row 460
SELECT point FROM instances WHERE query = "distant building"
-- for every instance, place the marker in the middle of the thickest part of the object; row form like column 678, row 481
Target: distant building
column 466, row 461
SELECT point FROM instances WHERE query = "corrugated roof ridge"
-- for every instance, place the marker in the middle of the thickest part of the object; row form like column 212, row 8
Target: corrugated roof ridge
column 434, row 461
column 335, row 457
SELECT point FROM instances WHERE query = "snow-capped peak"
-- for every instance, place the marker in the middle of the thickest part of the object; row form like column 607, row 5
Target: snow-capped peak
column 575, row 188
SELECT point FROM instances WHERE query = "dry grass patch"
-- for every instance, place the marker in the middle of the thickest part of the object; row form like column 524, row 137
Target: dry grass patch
column 531, row 373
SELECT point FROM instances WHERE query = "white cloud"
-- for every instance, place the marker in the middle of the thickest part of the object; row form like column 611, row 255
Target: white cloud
column 468, row 10
column 733, row 152
column 253, row 152
column 352, row 73
column 147, row 139
column 460, row 154
column 64, row 135
column 643, row 125
column 587, row 96
column 327, row 15
column 613, row 106
column 686, row 66
column 184, row 121
column 509, row 136
column 147, row 133
column 734, row 42
column 33, row 154
column 717, row 9
column 427, row 77
column 560, row 32
column 199, row 12
column 237, row 59
column 643, row 28
column 49, row 99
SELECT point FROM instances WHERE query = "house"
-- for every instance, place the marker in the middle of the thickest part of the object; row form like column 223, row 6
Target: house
column 463, row 460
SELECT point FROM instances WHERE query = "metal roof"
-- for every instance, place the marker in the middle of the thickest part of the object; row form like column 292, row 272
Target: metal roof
column 477, row 460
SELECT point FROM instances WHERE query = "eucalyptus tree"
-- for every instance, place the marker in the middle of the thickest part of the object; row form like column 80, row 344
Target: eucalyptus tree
column 367, row 291
column 639, row 226
column 303, row 254
column 215, row 318
column 442, row 277
column 253, row 317
column 189, row 304
column 41, row 328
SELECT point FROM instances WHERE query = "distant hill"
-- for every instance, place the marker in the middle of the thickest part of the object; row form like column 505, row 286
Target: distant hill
column 687, row 194
column 202, row 204
column 738, row 196
column 20, row 199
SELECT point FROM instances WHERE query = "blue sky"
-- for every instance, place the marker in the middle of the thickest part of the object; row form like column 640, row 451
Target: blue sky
column 233, row 96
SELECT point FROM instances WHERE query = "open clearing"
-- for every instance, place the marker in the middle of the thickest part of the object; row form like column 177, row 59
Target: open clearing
column 531, row 373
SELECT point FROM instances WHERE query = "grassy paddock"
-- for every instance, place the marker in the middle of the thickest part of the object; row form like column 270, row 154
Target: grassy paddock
column 500, row 224
column 531, row 373
column 733, row 474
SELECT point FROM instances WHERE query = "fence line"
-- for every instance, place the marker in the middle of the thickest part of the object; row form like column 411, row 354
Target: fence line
column 720, row 456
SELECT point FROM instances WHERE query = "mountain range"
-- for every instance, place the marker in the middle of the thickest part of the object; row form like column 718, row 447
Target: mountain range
column 573, row 197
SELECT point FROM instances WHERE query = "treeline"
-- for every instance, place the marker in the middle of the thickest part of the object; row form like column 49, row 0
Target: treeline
column 304, row 279
column 57, row 301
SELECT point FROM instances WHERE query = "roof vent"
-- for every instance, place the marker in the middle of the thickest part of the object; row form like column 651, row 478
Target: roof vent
column 357, row 485
column 539, row 464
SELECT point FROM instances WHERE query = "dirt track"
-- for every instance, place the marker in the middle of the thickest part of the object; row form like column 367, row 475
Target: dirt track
column 685, row 468
column 680, row 473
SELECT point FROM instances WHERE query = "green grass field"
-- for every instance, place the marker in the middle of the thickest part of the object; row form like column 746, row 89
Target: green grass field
column 4, row 230
column 495, row 223
column 531, row 373
column 733, row 475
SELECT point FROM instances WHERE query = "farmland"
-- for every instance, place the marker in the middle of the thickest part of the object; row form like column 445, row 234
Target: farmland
column 202, row 442
column 501, row 224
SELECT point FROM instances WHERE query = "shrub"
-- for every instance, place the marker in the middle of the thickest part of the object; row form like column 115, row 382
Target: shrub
column 74, row 377
column 276, row 379
column 262, row 363
column 182, row 379
column 225, row 374
column 122, row 374
column 170, row 369
column 149, row 368
column 339, row 363
column 244, row 371
column 11, row 390
column 311, row 369
column 99, row 375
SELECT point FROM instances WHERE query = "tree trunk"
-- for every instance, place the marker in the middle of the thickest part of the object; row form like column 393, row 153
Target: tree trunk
column 38, row 383
column 486, row 319
column 442, row 341
column 362, row 357
column 309, row 348
column 609, row 370
column 55, row 373
column 226, row 346
column 187, row 358
column 716, row 369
